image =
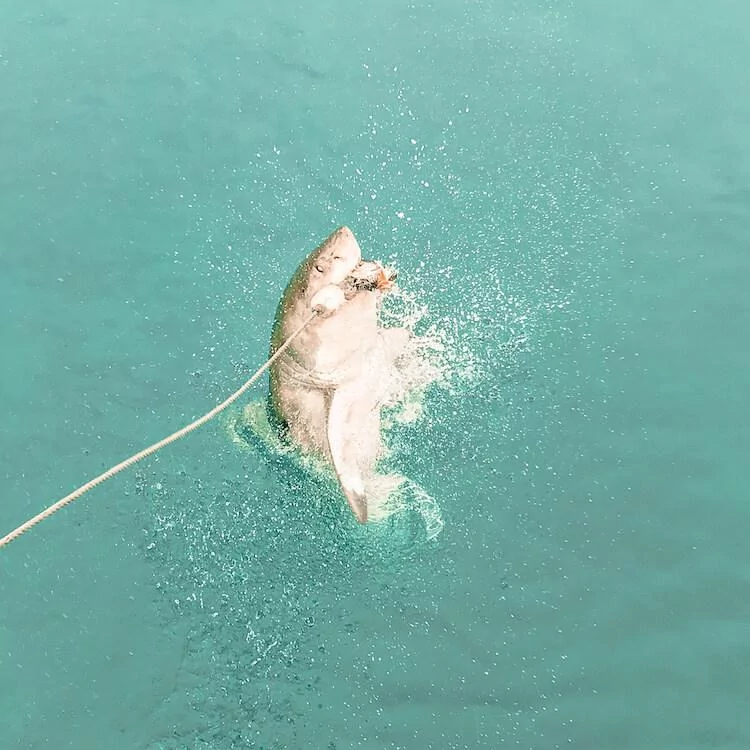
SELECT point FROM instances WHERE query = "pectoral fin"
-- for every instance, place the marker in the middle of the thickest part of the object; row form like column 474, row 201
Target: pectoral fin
column 357, row 502
column 342, row 442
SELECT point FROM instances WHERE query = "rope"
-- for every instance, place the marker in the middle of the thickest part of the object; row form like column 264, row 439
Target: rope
column 23, row 528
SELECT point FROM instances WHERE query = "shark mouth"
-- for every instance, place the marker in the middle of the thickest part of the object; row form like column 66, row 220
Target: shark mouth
column 368, row 276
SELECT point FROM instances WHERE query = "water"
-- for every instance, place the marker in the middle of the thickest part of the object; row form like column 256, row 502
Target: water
column 564, row 186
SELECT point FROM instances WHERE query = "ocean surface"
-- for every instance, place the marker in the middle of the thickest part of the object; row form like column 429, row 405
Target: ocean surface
column 565, row 190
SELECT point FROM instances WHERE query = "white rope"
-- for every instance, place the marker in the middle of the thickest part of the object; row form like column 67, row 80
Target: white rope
column 23, row 528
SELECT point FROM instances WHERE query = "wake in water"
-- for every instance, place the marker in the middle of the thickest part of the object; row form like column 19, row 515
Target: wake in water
column 430, row 359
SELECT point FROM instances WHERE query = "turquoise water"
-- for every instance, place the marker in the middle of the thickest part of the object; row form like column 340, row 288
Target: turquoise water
column 565, row 187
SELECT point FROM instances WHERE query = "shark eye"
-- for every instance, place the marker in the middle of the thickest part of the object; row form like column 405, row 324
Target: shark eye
column 319, row 268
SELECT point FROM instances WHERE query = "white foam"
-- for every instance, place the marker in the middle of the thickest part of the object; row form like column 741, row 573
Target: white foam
column 434, row 356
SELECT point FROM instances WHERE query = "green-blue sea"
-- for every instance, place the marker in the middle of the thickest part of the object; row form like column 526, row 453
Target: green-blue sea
column 564, row 187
